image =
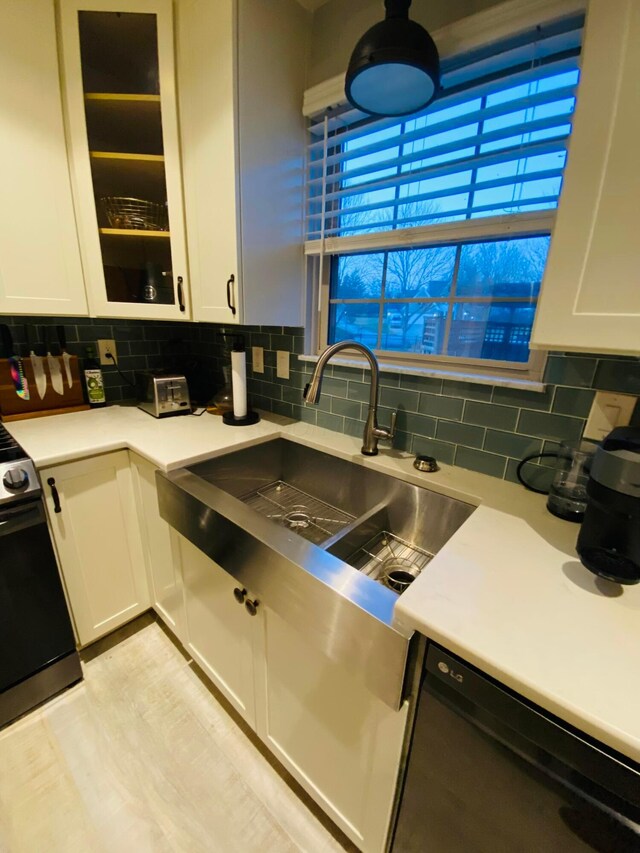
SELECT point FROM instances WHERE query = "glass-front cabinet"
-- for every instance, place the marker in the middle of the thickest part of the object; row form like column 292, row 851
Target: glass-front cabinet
column 122, row 122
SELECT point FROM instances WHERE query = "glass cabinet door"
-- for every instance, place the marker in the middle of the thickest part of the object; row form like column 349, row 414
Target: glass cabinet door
column 126, row 155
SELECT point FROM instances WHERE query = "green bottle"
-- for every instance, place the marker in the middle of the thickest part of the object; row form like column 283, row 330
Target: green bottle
column 93, row 380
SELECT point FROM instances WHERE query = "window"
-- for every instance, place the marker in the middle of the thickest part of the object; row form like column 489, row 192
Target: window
column 471, row 300
column 437, row 226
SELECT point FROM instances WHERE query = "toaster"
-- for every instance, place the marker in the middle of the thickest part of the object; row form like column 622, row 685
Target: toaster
column 163, row 394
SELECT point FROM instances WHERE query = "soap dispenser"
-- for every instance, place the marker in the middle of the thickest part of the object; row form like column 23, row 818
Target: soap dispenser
column 241, row 414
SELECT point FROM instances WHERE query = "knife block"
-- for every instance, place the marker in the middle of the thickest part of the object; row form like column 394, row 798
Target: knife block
column 14, row 408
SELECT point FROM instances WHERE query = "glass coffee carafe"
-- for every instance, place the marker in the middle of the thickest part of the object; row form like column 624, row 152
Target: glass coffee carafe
column 567, row 493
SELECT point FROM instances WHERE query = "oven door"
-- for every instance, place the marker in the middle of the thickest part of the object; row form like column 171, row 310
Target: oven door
column 489, row 773
column 35, row 627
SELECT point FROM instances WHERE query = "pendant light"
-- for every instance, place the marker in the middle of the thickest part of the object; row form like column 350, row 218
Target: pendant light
column 395, row 68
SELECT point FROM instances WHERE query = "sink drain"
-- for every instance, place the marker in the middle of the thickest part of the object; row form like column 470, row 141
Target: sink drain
column 399, row 573
column 298, row 518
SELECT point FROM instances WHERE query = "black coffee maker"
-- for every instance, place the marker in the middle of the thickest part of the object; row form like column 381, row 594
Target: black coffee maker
column 609, row 539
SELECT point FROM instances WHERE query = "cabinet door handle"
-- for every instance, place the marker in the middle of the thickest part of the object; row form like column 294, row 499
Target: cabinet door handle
column 54, row 494
column 230, row 282
column 252, row 606
column 239, row 595
column 180, row 294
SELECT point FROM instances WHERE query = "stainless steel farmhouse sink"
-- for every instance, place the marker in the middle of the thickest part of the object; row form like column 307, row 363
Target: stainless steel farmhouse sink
column 326, row 543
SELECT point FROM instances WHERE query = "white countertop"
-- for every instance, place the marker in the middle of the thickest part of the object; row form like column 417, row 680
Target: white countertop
column 507, row 592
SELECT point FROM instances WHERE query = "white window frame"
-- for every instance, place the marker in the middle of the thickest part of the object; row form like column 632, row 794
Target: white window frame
column 475, row 31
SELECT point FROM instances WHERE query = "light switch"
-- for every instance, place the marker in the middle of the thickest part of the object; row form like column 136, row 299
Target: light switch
column 282, row 364
column 257, row 359
column 608, row 411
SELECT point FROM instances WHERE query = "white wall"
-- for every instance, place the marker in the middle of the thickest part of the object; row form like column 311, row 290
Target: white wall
column 338, row 25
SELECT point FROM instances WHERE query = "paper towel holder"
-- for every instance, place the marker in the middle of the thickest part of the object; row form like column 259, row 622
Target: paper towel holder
column 250, row 418
column 239, row 384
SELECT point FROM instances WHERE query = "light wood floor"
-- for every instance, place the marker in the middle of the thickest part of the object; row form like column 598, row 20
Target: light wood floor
column 142, row 757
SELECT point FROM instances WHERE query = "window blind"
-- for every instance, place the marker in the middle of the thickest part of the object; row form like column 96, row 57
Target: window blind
column 493, row 144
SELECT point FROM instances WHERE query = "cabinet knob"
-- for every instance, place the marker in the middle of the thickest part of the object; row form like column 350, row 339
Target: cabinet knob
column 239, row 595
column 252, row 606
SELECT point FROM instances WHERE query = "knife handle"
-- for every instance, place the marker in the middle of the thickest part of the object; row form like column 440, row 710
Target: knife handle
column 28, row 336
column 7, row 341
column 45, row 339
column 62, row 338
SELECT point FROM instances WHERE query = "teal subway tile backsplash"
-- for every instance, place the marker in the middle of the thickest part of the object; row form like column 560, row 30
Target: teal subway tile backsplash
column 466, row 390
column 481, row 427
column 411, row 423
column 441, row 407
column 399, row 398
column 346, row 408
column 359, row 391
column 424, row 384
column 443, row 452
column 480, row 460
column 464, row 434
column 573, row 401
column 618, row 375
column 522, row 399
column 490, row 415
column 573, row 370
column 510, row 444
column 545, row 425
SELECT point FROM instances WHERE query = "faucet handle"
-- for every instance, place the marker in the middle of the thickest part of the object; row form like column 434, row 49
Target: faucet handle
column 392, row 425
column 387, row 434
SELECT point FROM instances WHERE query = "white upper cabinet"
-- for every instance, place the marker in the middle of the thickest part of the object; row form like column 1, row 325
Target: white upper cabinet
column 591, row 291
column 241, row 69
column 119, row 86
column 40, row 268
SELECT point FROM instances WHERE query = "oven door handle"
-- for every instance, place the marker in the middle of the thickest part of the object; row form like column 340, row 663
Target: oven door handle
column 19, row 518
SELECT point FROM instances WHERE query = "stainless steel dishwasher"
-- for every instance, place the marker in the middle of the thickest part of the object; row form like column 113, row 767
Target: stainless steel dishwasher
column 489, row 772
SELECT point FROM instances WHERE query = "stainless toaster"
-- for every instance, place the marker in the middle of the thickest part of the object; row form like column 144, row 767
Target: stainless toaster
column 163, row 394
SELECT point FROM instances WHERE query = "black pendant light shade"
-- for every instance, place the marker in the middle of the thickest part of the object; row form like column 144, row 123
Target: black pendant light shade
column 395, row 68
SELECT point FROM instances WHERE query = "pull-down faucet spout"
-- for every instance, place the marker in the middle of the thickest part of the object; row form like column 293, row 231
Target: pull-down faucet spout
column 372, row 432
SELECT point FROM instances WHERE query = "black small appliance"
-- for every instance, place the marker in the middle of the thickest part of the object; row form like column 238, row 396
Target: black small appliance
column 609, row 539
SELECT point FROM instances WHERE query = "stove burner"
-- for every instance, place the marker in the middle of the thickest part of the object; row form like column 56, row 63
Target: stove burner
column 298, row 518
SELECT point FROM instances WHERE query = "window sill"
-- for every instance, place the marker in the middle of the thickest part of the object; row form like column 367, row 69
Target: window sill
column 455, row 374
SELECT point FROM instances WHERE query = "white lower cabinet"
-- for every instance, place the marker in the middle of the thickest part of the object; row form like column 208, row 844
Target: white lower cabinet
column 118, row 557
column 161, row 549
column 220, row 631
column 93, row 518
column 341, row 743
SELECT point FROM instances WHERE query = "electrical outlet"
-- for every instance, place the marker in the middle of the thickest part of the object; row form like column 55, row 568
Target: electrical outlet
column 608, row 411
column 105, row 346
column 282, row 364
column 257, row 359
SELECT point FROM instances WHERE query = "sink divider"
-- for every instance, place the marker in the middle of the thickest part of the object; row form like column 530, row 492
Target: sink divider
column 347, row 541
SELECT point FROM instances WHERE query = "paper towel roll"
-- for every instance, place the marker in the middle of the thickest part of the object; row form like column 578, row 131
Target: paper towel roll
column 239, row 383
